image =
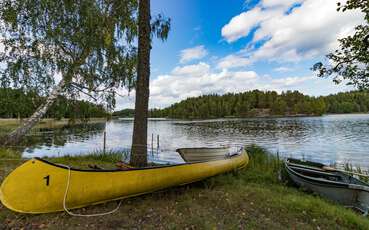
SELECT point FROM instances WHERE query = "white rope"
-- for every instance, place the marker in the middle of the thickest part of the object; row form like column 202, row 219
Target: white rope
column 83, row 215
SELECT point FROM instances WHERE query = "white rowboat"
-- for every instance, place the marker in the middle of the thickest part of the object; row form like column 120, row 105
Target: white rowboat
column 191, row 155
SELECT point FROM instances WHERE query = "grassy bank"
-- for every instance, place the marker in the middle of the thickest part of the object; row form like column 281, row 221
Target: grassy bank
column 252, row 198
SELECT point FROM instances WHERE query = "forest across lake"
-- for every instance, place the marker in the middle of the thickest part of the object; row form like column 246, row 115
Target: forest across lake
column 258, row 103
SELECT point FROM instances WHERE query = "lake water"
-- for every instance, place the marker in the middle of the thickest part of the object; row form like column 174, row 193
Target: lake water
column 327, row 139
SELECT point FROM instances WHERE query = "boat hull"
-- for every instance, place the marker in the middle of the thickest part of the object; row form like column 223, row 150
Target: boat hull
column 202, row 154
column 335, row 186
column 39, row 186
column 342, row 195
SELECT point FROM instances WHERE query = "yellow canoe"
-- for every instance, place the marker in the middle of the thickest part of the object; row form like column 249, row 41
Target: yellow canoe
column 39, row 186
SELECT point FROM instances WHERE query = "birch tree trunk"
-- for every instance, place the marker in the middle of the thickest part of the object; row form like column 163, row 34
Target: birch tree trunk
column 139, row 139
column 17, row 135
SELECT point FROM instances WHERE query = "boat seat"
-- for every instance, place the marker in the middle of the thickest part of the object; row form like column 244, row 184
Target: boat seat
column 313, row 170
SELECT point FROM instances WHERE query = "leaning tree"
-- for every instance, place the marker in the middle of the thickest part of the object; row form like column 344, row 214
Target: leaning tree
column 88, row 45
column 350, row 61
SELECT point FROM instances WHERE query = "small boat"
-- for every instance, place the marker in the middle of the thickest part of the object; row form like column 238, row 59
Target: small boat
column 329, row 183
column 191, row 155
column 39, row 186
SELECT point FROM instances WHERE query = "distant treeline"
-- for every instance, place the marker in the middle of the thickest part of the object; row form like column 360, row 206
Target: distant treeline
column 124, row 113
column 258, row 103
column 254, row 103
column 17, row 104
column 350, row 102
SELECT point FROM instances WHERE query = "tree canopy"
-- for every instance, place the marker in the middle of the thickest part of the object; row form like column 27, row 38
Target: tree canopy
column 89, row 43
column 350, row 61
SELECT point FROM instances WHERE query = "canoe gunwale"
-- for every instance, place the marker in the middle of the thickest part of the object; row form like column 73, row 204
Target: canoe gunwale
column 124, row 170
column 308, row 167
column 293, row 167
column 202, row 148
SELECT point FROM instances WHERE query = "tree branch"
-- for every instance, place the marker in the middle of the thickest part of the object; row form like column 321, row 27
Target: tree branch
column 81, row 91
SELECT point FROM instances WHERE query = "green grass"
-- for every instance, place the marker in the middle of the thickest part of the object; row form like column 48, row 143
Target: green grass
column 103, row 160
column 252, row 198
column 9, row 159
column 10, row 154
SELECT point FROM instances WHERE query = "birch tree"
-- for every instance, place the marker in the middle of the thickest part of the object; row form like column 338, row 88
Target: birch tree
column 88, row 44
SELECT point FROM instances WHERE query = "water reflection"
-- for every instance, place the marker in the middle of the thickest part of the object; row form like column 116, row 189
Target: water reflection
column 328, row 139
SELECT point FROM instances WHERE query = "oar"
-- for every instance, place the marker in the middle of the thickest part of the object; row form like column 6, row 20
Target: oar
column 339, row 170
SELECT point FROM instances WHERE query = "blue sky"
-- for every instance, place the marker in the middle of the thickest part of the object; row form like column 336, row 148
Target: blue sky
column 236, row 45
column 194, row 22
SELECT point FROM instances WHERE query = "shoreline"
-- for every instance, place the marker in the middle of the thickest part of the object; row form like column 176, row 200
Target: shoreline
column 65, row 121
column 13, row 122
column 246, row 117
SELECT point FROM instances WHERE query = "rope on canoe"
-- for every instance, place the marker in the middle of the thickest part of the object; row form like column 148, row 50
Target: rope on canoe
column 83, row 215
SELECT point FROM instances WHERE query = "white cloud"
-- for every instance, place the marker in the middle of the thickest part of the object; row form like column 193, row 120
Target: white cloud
column 197, row 80
column 58, row 77
column 277, row 3
column 241, row 25
column 192, row 70
column 232, row 61
column 200, row 79
column 195, row 53
column 283, row 69
column 306, row 32
column 285, row 83
column 125, row 99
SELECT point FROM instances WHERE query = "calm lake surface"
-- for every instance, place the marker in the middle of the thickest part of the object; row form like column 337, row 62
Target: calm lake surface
column 327, row 139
